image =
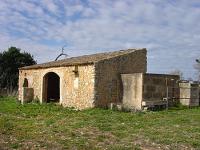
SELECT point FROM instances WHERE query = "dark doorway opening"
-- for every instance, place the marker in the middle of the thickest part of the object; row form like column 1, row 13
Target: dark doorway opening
column 51, row 87
column 25, row 84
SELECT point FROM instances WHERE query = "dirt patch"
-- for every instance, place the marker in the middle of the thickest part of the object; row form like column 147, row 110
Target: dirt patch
column 146, row 144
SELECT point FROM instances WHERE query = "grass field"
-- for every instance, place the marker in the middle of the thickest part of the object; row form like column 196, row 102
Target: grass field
column 47, row 126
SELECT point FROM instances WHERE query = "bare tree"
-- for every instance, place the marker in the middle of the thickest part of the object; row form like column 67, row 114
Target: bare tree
column 177, row 72
column 197, row 67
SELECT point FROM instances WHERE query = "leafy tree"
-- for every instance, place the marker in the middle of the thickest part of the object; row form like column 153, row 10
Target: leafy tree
column 10, row 61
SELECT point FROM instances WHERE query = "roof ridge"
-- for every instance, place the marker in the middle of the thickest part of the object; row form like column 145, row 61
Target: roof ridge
column 84, row 59
column 103, row 53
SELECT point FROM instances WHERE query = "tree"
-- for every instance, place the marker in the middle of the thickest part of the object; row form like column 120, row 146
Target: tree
column 197, row 67
column 10, row 61
column 177, row 72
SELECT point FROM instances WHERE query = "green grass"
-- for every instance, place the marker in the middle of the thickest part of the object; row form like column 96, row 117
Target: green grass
column 48, row 126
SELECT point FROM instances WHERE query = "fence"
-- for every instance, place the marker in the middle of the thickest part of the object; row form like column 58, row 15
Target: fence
column 170, row 96
column 188, row 96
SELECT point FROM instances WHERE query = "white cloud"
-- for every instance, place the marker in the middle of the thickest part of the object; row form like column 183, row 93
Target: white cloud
column 169, row 29
column 50, row 6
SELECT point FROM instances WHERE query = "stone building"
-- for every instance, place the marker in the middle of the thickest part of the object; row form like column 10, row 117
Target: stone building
column 81, row 82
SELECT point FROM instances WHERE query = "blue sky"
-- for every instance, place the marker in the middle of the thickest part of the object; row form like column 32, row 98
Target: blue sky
column 169, row 29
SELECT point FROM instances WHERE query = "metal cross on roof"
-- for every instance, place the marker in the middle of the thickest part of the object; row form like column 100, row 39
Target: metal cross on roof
column 62, row 53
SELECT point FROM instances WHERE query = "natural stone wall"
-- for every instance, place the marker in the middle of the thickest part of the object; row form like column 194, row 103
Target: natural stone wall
column 75, row 91
column 108, row 84
column 33, row 82
column 155, row 87
column 78, row 91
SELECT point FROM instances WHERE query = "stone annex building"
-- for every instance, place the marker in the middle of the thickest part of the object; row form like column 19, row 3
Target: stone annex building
column 81, row 82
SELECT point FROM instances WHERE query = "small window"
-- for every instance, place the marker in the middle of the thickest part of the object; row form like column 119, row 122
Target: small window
column 25, row 84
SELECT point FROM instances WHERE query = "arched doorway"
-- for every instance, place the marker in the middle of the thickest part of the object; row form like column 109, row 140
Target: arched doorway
column 51, row 87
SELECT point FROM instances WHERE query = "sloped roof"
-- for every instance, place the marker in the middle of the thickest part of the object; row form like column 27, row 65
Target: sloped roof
column 81, row 60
